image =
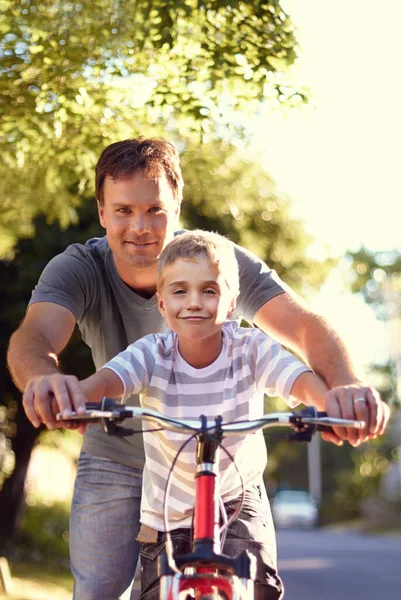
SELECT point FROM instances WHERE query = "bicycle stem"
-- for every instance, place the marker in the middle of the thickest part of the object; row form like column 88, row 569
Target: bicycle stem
column 206, row 521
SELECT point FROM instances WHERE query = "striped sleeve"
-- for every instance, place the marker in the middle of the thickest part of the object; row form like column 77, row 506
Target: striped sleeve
column 276, row 369
column 135, row 365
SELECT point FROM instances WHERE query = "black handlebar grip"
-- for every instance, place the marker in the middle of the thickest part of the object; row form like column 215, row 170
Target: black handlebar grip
column 93, row 406
column 323, row 427
column 105, row 404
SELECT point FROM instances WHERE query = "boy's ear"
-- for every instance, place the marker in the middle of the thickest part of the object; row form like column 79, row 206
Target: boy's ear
column 233, row 304
column 160, row 305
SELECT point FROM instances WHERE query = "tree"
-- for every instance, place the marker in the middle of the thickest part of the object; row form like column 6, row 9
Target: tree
column 372, row 274
column 227, row 191
column 18, row 277
column 76, row 76
column 377, row 277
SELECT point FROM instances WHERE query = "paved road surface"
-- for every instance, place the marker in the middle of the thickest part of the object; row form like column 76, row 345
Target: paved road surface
column 324, row 565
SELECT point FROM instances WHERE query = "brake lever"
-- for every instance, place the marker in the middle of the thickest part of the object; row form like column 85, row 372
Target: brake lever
column 304, row 435
column 303, row 431
column 112, row 429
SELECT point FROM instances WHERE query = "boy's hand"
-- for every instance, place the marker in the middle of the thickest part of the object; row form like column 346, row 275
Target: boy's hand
column 47, row 395
column 356, row 402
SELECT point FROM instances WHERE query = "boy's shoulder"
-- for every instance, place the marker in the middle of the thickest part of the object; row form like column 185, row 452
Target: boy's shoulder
column 243, row 334
column 157, row 343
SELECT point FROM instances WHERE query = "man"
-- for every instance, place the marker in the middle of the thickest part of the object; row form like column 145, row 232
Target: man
column 108, row 286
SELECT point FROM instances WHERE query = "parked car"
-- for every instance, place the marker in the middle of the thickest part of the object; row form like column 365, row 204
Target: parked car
column 294, row 508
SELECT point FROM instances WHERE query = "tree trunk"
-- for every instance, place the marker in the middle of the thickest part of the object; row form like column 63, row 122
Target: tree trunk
column 12, row 494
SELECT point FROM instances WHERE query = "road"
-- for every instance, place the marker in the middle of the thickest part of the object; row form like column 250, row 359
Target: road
column 327, row 565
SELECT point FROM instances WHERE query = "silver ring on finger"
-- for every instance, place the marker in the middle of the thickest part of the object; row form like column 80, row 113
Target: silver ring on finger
column 359, row 399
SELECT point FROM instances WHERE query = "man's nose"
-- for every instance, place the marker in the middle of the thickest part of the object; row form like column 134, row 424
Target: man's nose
column 139, row 223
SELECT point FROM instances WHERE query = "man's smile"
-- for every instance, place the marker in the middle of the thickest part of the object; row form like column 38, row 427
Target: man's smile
column 139, row 244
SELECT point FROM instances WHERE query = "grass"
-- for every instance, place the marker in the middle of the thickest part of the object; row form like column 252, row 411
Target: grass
column 31, row 581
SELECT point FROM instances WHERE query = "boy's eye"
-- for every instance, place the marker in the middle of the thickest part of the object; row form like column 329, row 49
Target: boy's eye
column 155, row 209
column 179, row 292
column 210, row 291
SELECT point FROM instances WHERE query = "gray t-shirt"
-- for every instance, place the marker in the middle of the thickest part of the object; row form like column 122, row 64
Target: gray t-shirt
column 110, row 316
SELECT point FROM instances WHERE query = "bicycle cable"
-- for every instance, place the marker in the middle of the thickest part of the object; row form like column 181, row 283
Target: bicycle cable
column 226, row 523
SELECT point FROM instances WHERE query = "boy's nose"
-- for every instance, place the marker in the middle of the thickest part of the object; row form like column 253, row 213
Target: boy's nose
column 194, row 301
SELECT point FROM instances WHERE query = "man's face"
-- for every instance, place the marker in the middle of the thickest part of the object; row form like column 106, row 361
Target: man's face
column 140, row 216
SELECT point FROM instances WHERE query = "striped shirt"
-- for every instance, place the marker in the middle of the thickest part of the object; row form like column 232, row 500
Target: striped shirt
column 233, row 386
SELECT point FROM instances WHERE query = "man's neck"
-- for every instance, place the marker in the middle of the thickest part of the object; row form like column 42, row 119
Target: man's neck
column 141, row 281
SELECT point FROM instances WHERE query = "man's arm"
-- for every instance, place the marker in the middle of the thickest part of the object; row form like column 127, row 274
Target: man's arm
column 32, row 360
column 287, row 319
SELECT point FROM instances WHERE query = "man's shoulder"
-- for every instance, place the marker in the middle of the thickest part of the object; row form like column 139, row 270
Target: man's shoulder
column 87, row 260
column 93, row 249
column 74, row 278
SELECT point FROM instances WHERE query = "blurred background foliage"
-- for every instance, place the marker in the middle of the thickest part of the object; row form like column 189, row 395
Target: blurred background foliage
column 75, row 77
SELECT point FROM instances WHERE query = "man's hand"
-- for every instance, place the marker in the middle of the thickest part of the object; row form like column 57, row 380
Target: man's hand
column 47, row 395
column 356, row 402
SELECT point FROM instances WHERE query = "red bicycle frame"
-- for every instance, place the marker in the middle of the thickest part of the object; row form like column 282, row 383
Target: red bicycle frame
column 207, row 574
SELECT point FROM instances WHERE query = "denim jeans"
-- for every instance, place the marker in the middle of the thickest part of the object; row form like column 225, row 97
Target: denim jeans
column 253, row 530
column 103, row 528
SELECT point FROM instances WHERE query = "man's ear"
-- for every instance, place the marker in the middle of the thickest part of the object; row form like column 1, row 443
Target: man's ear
column 177, row 218
column 160, row 305
column 100, row 211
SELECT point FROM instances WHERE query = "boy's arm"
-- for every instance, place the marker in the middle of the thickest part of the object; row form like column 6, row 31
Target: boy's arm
column 310, row 389
column 103, row 383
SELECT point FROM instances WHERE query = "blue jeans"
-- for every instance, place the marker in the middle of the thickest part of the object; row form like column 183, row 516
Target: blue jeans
column 103, row 528
column 253, row 530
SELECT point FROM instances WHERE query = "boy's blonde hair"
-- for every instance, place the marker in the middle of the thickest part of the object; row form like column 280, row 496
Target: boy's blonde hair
column 218, row 250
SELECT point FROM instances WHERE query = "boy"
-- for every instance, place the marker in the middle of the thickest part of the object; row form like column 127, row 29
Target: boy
column 205, row 364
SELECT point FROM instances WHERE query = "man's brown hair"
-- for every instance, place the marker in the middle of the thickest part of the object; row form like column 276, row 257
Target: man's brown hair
column 152, row 156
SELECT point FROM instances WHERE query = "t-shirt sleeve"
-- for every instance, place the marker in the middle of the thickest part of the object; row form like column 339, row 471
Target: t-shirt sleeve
column 258, row 284
column 276, row 369
column 134, row 366
column 69, row 279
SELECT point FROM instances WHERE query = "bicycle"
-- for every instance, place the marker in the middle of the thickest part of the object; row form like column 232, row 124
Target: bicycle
column 206, row 573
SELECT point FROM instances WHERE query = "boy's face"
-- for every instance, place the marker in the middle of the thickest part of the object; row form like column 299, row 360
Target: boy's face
column 194, row 299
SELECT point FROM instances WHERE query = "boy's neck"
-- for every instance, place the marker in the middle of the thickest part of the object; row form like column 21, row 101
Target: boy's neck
column 201, row 353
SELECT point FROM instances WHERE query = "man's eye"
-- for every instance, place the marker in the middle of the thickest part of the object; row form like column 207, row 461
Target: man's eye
column 155, row 209
column 179, row 292
column 124, row 210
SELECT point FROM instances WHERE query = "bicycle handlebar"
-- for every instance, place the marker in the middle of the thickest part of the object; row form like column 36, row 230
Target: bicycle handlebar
column 109, row 412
